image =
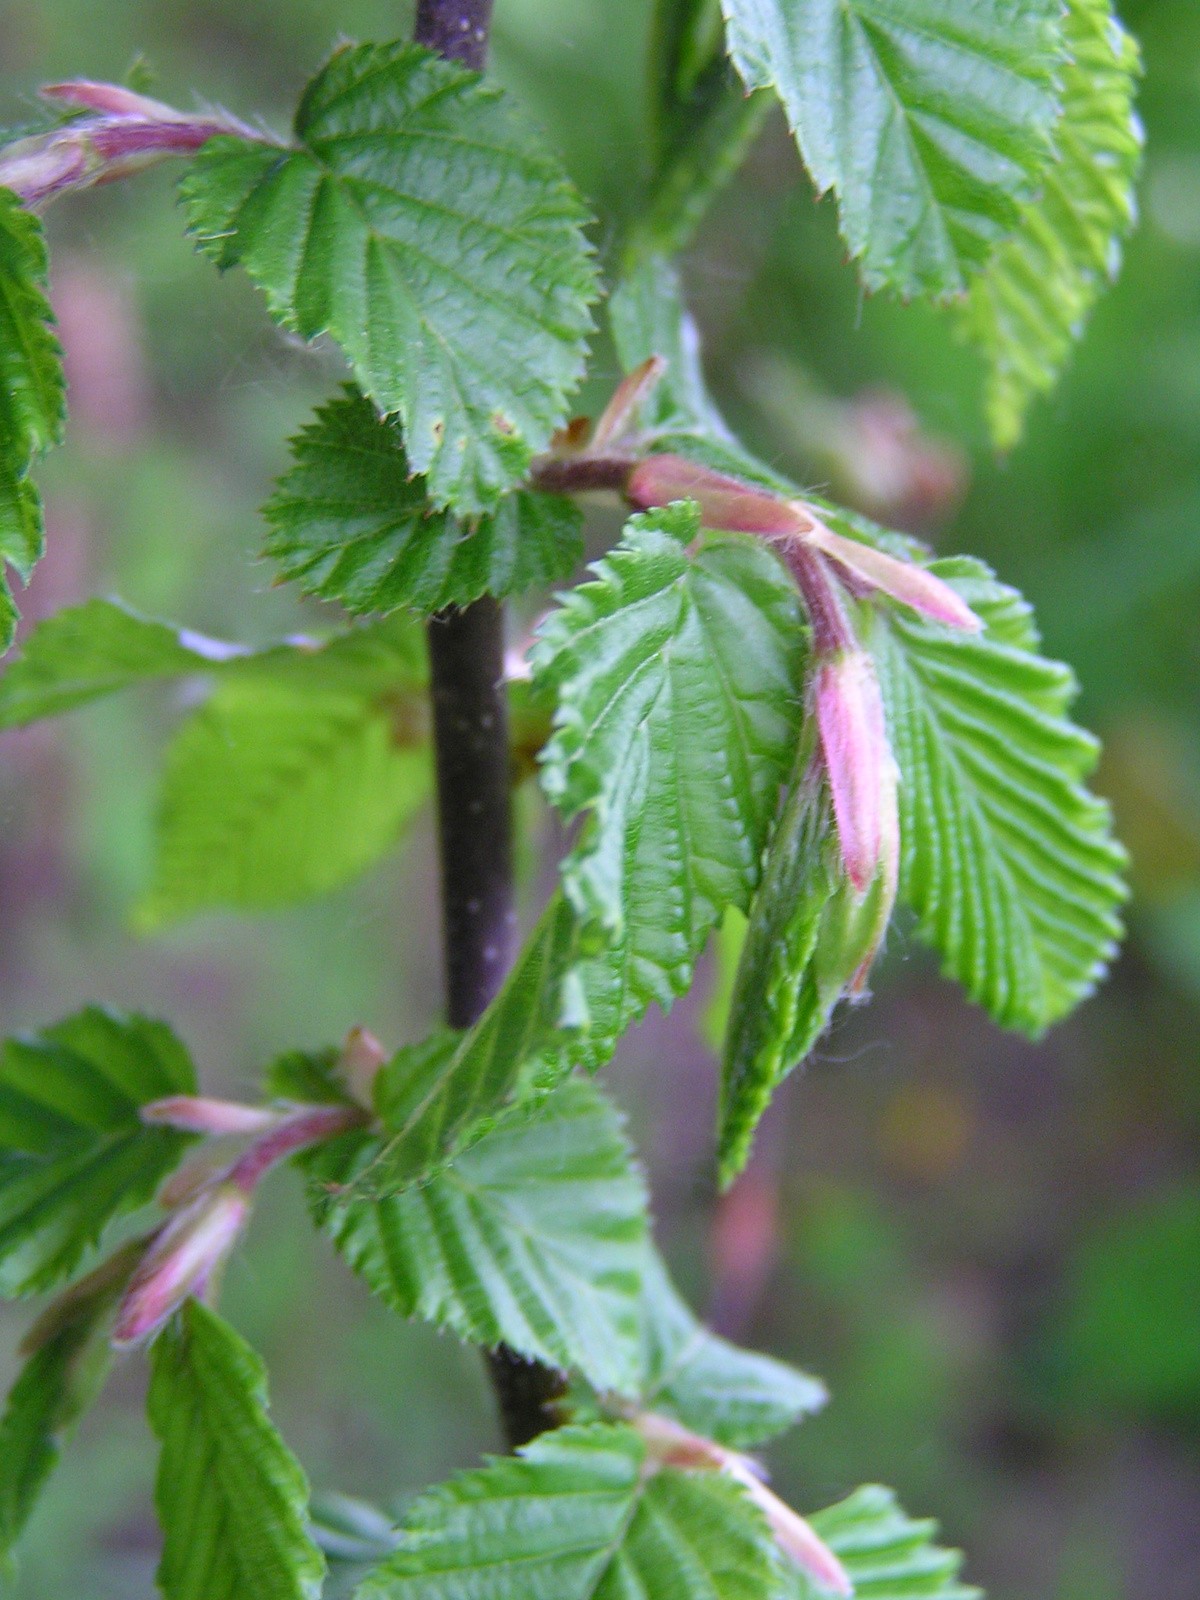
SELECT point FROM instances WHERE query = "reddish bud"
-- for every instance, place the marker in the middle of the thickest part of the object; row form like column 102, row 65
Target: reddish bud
column 668, row 1444
column 180, row 1261
column 619, row 414
column 905, row 581
column 196, row 1114
column 859, row 761
column 726, row 504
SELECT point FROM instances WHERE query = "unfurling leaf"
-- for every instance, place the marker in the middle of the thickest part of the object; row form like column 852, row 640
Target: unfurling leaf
column 810, row 942
column 32, row 394
column 67, row 1357
column 886, row 1555
column 1030, row 306
column 231, row 1499
column 350, row 522
column 577, row 1516
column 532, row 1238
column 929, row 119
column 1008, row 861
column 74, row 1152
column 423, row 228
column 676, row 685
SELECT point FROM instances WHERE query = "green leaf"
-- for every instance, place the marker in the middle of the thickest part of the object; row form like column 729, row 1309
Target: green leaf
column 418, row 223
column 930, row 119
column 32, row 394
column 85, row 652
column 704, row 123
column 676, row 680
column 1030, row 306
column 434, row 1101
column 576, row 1517
column 231, row 1499
column 271, row 795
column 351, row 522
column 725, row 1393
column 67, row 1359
column 74, row 1153
column 1006, row 858
column 532, row 1238
column 887, row 1555
column 809, row 938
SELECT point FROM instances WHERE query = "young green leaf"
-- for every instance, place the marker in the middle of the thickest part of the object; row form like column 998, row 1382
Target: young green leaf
column 703, row 123
column 734, row 1396
column 930, row 119
column 648, row 318
column 1006, row 858
column 1030, row 306
column 67, row 1357
column 351, row 522
column 74, row 1152
column 676, row 679
column 421, row 226
column 231, row 1499
column 85, row 652
column 32, row 394
column 809, row 938
column 577, row 1517
column 532, row 1238
column 887, row 1555
column 273, row 793
column 434, row 1101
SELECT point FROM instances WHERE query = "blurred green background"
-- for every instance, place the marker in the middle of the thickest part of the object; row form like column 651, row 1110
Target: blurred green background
column 990, row 1250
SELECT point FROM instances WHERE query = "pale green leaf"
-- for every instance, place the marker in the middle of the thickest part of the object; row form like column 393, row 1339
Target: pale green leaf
column 576, row 1517
column 1006, row 858
column 532, row 1238
column 351, row 522
column 32, row 394
column 1030, row 306
column 713, row 1387
column 67, row 1357
column 273, row 793
column 809, row 937
column 231, row 1499
column 676, row 680
column 887, row 1556
column 418, row 223
column 85, row 652
column 929, row 119
column 74, row 1153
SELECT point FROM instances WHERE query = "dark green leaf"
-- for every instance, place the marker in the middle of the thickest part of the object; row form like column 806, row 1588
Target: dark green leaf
column 930, row 119
column 1007, row 859
column 351, row 522
column 676, row 680
column 1031, row 305
column 232, row 1500
column 423, row 228
column 576, row 1517
column 32, row 394
column 74, row 1152
column 67, row 1357
column 887, row 1555
column 725, row 1393
column 532, row 1238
